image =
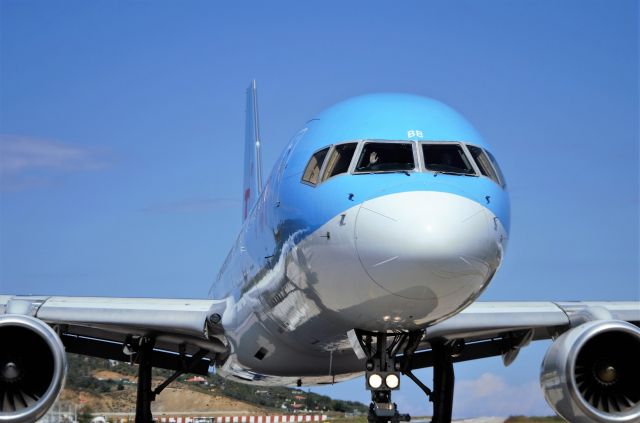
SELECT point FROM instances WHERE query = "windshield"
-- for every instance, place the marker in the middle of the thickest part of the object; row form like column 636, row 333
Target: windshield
column 312, row 171
column 386, row 157
column 446, row 158
column 484, row 163
column 455, row 158
column 339, row 160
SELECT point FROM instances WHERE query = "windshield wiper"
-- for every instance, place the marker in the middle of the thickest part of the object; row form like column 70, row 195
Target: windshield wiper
column 443, row 172
column 375, row 172
column 406, row 172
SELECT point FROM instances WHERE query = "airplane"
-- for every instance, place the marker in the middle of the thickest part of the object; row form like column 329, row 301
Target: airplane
column 363, row 252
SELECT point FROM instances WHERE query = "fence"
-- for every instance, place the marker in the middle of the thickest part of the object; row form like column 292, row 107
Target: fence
column 297, row 418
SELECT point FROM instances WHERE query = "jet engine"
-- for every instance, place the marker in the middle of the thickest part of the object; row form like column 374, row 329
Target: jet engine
column 33, row 366
column 592, row 373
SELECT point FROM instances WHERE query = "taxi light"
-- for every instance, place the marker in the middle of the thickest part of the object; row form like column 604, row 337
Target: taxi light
column 392, row 381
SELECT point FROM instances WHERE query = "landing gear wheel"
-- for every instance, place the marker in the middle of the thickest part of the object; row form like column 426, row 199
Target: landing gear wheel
column 376, row 415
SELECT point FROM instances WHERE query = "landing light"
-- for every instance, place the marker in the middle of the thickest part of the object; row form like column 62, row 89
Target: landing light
column 375, row 380
column 392, row 381
column 382, row 380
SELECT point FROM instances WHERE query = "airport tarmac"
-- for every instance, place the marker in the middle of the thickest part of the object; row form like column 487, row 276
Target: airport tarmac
column 483, row 420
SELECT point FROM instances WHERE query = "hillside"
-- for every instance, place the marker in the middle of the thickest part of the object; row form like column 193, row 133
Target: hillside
column 110, row 386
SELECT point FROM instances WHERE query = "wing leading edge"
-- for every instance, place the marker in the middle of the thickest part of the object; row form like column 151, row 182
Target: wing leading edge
column 100, row 326
column 487, row 329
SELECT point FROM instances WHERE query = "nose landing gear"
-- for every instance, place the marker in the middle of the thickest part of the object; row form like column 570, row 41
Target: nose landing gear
column 382, row 375
column 384, row 365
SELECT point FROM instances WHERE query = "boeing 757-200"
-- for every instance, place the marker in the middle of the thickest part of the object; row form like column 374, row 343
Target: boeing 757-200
column 364, row 251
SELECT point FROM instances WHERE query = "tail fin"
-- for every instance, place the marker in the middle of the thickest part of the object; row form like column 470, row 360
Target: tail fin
column 252, row 185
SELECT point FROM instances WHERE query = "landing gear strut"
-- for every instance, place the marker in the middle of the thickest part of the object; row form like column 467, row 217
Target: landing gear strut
column 383, row 360
column 142, row 350
column 443, row 378
column 144, row 395
column 443, row 382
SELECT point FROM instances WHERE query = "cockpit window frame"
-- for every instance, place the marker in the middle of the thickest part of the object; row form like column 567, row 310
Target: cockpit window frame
column 358, row 144
column 363, row 143
column 418, row 160
column 461, row 144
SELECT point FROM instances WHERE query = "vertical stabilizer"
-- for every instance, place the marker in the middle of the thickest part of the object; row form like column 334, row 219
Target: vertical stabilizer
column 252, row 185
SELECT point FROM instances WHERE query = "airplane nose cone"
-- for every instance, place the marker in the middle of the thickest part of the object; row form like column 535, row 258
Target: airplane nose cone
column 431, row 246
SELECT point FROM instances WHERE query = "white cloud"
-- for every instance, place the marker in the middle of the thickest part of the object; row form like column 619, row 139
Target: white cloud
column 491, row 395
column 486, row 385
column 193, row 205
column 26, row 162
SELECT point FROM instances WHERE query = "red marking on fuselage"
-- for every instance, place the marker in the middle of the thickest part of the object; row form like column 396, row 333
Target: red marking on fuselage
column 247, row 194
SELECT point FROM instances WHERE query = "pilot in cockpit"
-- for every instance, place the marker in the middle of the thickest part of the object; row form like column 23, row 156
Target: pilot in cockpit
column 373, row 159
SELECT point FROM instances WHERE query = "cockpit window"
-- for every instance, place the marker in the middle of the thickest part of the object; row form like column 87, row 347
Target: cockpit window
column 386, row 157
column 339, row 160
column 446, row 158
column 312, row 171
column 484, row 163
column 502, row 181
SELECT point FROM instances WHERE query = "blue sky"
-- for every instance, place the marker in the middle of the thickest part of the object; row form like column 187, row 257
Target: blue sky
column 122, row 135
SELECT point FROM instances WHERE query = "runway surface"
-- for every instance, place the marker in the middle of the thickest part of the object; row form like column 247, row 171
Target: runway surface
column 474, row 420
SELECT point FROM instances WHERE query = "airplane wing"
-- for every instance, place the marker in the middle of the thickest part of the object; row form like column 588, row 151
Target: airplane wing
column 100, row 326
column 189, row 337
column 486, row 329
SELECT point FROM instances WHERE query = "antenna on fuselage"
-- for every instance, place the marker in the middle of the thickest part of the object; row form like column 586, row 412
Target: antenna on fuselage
column 252, row 184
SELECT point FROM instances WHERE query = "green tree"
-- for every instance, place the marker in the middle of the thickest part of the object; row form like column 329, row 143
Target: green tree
column 85, row 414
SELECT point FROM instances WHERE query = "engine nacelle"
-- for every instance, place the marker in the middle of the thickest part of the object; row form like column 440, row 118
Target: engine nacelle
column 33, row 366
column 592, row 373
